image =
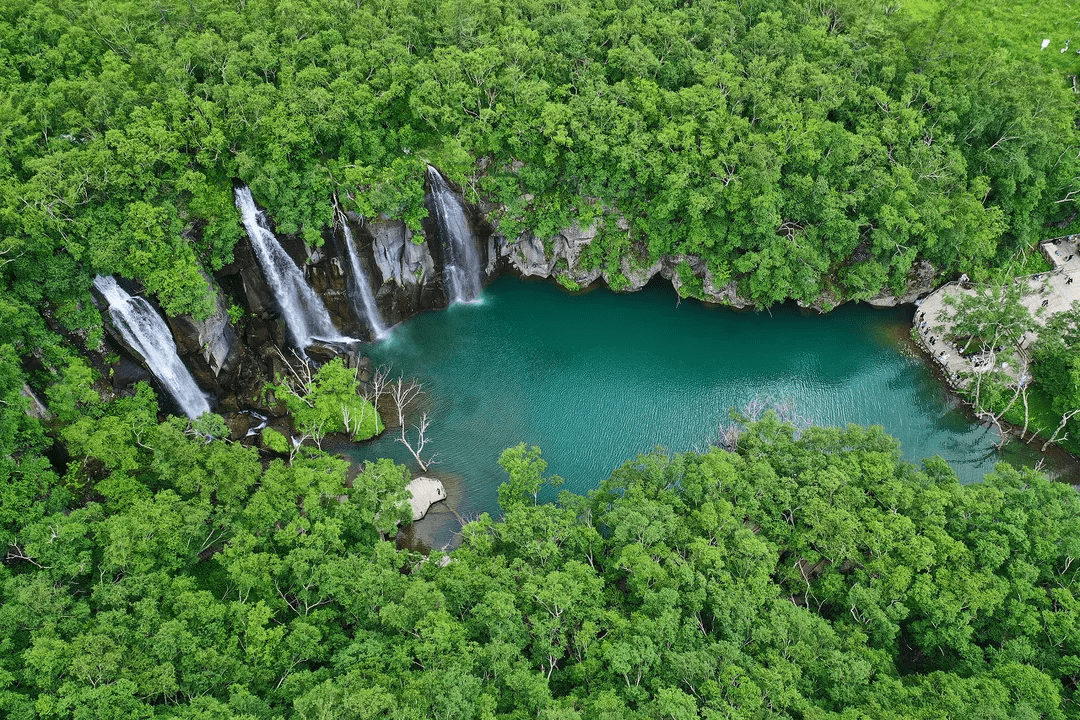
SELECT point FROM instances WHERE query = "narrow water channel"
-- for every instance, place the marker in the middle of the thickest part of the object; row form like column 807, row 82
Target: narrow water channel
column 595, row 379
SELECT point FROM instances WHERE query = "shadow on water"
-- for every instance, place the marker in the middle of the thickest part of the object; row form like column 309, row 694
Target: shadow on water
column 440, row 529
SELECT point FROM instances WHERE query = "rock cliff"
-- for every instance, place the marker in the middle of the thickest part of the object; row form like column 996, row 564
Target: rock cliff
column 210, row 348
column 405, row 270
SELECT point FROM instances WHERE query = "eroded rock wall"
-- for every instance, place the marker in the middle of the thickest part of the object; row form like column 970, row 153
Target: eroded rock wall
column 210, row 348
column 408, row 279
column 405, row 272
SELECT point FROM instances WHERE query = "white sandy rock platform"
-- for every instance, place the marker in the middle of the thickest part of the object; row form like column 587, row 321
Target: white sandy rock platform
column 425, row 493
column 1051, row 292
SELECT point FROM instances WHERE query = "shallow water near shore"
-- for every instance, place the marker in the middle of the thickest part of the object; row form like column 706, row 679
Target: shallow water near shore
column 597, row 378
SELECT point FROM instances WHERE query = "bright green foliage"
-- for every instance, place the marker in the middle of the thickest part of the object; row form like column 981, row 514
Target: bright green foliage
column 73, row 394
column 379, row 489
column 691, row 285
column 1057, row 359
column 275, row 441
column 1057, row 371
column 329, row 403
column 809, row 574
column 107, row 447
column 798, row 148
column 526, row 471
column 27, row 484
column 993, row 315
column 568, row 282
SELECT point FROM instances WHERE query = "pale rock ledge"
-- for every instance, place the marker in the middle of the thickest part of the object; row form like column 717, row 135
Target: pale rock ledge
column 425, row 493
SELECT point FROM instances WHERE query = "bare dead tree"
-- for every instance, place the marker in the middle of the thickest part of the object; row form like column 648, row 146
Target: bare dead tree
column 377, row 386
column 995, row 418
column 992, row 360
column 728, row 435
column 353, row 424
column 1054, row 438
column 302, row 379
column 421, row 441
column 17, row 553
column 1027, row 413
column 403, row 394
column 314, row 432
column 347, row 418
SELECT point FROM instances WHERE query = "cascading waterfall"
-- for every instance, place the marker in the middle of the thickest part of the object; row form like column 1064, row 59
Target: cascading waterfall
column 363, row 285
column 461, row 264
column 305, row 314
column 145, row 330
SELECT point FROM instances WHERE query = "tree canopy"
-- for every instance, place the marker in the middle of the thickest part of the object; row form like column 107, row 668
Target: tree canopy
column 152, row 570
column 796, row 147
column 804, row 574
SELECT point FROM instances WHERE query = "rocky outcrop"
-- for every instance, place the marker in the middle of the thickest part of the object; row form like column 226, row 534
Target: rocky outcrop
column 325, row 269
column 256, row 294
column 560, row 258
column 530, row 256
column 410, row 282
column 922, row 280
column 210, row 348
column 424, row 492
column 400, row 260
column 35, row 408
column 124, row 372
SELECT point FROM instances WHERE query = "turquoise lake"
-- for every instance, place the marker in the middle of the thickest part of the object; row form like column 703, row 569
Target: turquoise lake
column 594, row 379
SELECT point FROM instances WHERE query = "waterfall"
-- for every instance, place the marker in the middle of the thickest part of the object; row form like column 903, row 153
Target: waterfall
column 147, row 333
column 461, row 265
column 304, row 313
column 367, row 299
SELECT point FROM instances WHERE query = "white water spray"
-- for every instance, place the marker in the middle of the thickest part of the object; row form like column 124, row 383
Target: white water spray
column 145, row 331
column 461, row 264
column 363, row 286
column 304, row 313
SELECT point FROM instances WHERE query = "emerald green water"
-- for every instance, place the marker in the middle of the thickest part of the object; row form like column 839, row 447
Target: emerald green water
column 596, row 379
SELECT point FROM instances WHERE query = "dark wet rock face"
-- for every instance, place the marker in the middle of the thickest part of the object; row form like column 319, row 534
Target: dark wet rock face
column 256, row 295
column 210, row 348
column 238, row 424
column 125, row 372
column 410, row 282
column 327, row 270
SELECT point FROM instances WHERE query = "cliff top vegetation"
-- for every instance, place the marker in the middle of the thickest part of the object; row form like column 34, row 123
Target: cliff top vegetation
column 798, row 148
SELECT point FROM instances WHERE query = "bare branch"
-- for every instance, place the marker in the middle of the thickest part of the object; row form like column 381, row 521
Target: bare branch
column 421, row 430
column 1054, row 438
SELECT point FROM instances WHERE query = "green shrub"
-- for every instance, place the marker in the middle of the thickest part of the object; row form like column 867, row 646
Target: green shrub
column 330, row 403
column 568, row 282
column 275, row 441
column 691, row 284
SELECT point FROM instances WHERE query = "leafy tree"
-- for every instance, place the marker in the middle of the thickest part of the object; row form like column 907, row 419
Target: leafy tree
column 329, row 401
column 1056, row 359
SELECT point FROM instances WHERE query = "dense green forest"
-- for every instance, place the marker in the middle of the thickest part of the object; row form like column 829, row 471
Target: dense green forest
column 812, row 577
column 798, row 147
column 805, row 150
column 802, row 149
